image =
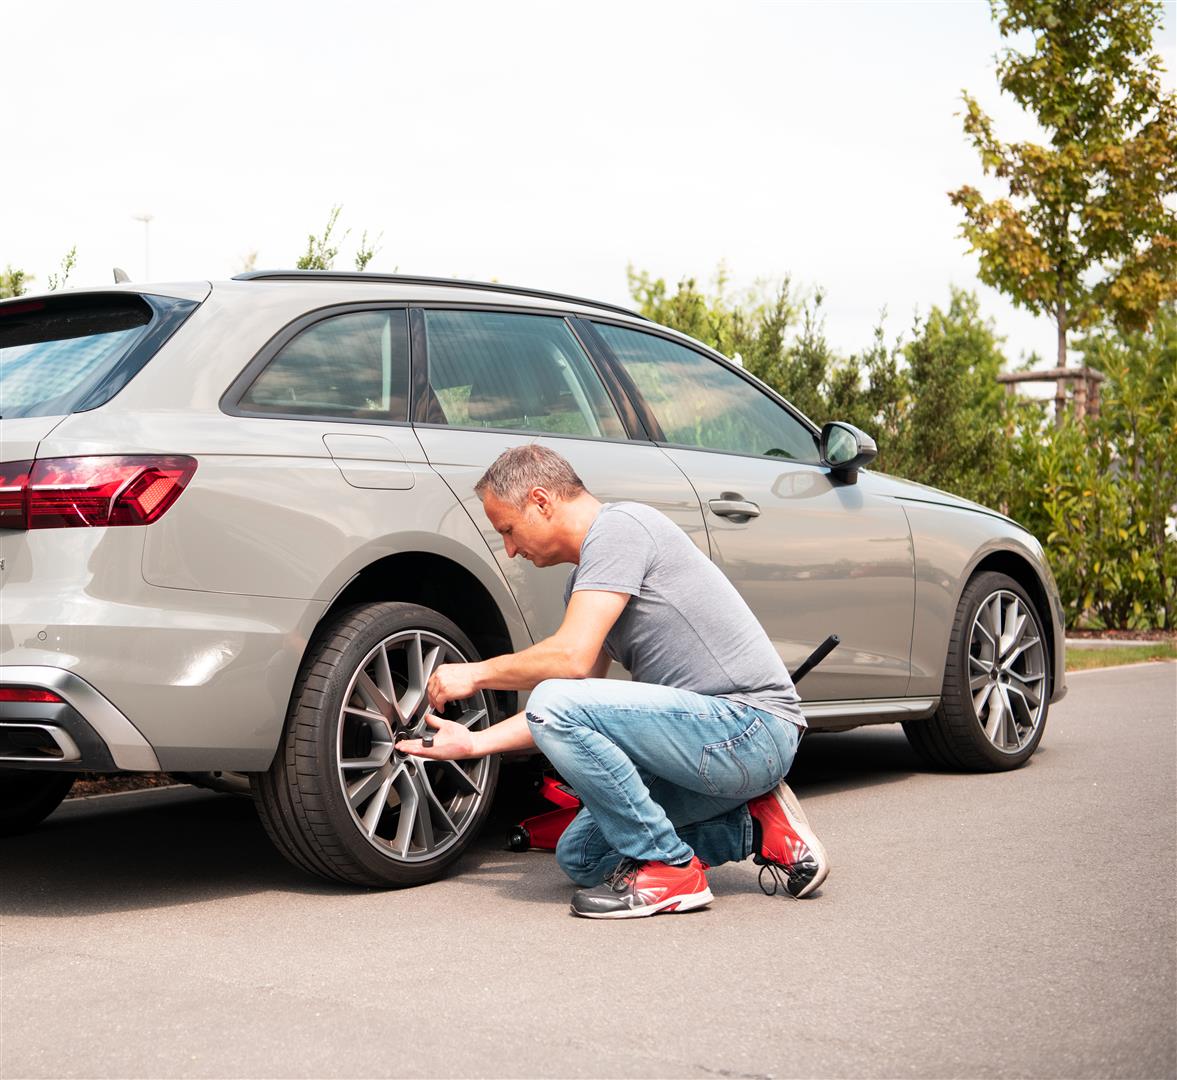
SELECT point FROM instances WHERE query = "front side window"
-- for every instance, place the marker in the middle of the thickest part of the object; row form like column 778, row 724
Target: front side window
column 516, row 372
column 700, row 403
column 353, row 366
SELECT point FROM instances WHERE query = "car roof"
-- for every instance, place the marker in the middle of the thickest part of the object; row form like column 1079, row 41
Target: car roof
column 437, row 284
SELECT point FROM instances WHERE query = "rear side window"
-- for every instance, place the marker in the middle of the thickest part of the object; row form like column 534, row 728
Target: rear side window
column 67, row 354
column 514, row 372
column 354, row 366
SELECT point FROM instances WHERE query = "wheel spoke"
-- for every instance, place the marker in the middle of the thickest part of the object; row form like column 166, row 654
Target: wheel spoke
column 381, row 753
column 471, row 717
column 375, row 811
column 410, row 802
column 978, row 681
column 372, row 695
column 1022, row 647
column 1028, row 689
column 980, row 699
column 1014, row 621
column 360, row 789
column 1012, row 739
column 421, row 665
column 384, row 674
column 996, row 717
column 463, row 777
column 431, row 799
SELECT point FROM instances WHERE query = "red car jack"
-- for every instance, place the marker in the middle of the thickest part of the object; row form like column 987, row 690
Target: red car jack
column 542, row 831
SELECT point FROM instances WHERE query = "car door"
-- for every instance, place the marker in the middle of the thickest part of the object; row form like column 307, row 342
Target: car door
column 810, row 555
column 487, row 380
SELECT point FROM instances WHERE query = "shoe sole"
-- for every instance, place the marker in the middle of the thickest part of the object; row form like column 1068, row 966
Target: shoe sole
column 800, row 823
column 672, row 905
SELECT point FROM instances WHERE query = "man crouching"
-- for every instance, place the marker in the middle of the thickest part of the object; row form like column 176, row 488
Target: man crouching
column 678, row 770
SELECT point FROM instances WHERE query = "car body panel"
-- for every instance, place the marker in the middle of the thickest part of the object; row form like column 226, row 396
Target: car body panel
column 821, row 558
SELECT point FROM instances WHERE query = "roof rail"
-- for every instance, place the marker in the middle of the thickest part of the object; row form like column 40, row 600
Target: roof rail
column 412, row 279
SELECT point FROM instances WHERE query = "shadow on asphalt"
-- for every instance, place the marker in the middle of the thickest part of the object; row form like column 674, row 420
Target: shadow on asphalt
column 177, row 846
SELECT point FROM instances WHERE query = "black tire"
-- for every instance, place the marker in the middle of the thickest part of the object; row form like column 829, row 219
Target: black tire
column 28, row 797
column 954, row 736
column 301, row 799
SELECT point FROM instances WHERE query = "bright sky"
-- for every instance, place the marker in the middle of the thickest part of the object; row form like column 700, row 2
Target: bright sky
column 545, row 144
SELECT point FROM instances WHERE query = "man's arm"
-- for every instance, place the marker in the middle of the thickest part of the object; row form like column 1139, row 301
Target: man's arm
column 575, row 651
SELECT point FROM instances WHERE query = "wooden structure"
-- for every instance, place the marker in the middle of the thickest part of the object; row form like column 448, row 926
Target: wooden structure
column 1085, row 394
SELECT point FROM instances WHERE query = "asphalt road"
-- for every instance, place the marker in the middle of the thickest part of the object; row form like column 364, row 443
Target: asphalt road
column 999, row 925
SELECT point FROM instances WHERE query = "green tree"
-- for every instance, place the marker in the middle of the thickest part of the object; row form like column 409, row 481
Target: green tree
column 13, row 282
column 1085, row 231
column 953, row 423
column 1101, row 493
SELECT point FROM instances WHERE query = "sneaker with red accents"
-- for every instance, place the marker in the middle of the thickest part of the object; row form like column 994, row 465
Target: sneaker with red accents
column 636, row 889
column 786, row 847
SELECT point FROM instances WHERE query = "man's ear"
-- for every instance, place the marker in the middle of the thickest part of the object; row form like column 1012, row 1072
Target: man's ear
column 542, row 498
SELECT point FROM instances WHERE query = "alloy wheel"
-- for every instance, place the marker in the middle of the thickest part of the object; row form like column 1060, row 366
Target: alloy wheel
column 1007, row 671
column 409, row 808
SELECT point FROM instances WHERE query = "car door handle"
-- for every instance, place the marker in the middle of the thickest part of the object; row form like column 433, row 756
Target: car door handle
column 731, row 505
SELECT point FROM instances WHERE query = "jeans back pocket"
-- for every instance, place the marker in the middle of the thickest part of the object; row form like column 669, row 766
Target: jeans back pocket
column 748, row 764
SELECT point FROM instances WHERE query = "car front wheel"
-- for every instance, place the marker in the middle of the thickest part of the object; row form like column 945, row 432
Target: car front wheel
column 993, row 706
column 339, row 800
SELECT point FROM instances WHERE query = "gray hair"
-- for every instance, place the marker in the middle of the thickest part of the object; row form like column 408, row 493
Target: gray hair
column 515, row 472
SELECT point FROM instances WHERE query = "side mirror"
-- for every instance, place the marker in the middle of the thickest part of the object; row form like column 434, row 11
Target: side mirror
column 845, row 449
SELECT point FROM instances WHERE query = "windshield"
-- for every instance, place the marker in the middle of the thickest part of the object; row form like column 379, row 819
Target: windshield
column 65, row 354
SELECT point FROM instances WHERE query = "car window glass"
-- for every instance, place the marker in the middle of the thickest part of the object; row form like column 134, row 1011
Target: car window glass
column 699, row 402
column 519, row 372
column 354, row 366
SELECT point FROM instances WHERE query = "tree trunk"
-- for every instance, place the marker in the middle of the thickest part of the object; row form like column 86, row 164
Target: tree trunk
column 1060, row 391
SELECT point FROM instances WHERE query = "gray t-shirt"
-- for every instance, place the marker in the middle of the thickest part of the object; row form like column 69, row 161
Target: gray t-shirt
column 686, row 625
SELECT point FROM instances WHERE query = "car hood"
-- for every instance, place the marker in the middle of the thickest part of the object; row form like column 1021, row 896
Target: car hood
column 897, row 488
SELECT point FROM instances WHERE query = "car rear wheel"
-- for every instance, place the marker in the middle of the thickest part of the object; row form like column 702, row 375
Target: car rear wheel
column 28, row 797
column 993, row 706
column 339, row 800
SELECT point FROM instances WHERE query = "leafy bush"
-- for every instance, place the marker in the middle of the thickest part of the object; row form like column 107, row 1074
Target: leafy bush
column 1101, row 493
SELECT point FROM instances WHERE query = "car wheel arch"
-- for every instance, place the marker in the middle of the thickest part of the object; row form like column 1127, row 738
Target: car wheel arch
column 442, row 584
column 1021, row 570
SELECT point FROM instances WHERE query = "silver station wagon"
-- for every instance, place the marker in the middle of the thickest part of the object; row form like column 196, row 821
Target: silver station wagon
column 238, row 531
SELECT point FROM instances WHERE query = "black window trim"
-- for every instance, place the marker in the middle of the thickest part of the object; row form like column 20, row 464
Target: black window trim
column 230, row 402
column 644, row 409
column 419, row 403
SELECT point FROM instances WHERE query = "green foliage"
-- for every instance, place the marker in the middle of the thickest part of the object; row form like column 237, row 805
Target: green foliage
column 320, row 253
column 1101, row 493
column 58, row 280
column 13, row 282
column 322, row 250
column 366, row 252
column 1085, row 234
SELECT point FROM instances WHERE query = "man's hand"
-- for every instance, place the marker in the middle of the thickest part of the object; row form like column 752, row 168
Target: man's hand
column 450, row 682
column 451, row 741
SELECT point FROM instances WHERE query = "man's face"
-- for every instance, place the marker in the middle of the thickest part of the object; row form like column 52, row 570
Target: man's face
column 528, row 530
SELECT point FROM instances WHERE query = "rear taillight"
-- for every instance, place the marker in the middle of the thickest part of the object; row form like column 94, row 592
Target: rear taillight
column 27, row 694
column 89, row 492
column 14, row 477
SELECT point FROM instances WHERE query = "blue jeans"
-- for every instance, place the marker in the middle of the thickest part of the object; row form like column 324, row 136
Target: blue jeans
column 664, row 774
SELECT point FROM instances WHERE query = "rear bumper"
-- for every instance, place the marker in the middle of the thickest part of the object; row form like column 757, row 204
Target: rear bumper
column 86, row 732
